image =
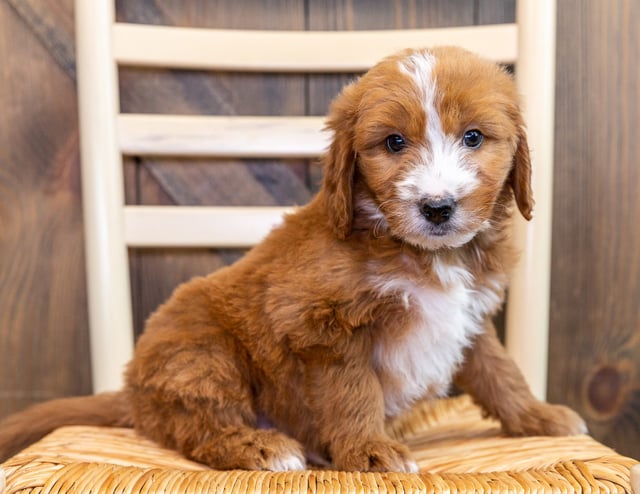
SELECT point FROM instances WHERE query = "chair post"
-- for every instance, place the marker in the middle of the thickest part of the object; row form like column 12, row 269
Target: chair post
column 528, row 307
column 110, row 319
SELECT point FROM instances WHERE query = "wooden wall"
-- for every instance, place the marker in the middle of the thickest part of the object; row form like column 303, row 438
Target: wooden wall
column 43, row 320
column 595, row 293
column 43, row 324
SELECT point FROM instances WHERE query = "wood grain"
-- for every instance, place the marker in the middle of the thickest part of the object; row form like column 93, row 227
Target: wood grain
column 43, row 321
column 50, row 22
column 495, row 11
column 595, row 317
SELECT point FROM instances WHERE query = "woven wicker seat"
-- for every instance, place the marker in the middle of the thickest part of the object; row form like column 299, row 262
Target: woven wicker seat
column 457, row 450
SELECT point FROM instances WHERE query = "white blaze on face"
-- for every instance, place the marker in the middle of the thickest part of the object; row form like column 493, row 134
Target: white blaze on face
column 443, row 172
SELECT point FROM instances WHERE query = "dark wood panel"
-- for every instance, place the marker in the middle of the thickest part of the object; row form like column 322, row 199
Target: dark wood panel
column 43, row 321
column 495, row 11
column 238, row 14
column 595, row 317
column 50, row 22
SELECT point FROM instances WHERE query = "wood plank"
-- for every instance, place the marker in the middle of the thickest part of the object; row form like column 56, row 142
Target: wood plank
column 242, row 14
column 184, row 226
column 231, row 183
column 295, row 51
column 595, row 321
column 51, row 23
column 43, row 322
column 495, row 11
column 222, row 136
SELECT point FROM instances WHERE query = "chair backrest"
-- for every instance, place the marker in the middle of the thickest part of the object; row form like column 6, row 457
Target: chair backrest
column 106, row 134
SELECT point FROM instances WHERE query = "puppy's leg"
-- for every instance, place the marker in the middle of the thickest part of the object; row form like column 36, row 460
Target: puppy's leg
column 497, row 385
column 201, row 404
column 191, row 388
column 348, row 409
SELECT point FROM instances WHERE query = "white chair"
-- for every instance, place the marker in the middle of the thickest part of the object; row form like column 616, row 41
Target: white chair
column 106, row 134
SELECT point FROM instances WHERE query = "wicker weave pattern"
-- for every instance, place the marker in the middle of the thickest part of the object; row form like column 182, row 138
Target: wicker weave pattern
column 106, row 478
column 457, row 451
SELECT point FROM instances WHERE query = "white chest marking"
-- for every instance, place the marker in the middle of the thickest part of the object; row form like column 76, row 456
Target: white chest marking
column 419, row 360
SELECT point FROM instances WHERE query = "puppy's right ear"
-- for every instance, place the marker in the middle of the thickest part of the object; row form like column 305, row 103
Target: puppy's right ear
column 520, row 176
column 340, row 162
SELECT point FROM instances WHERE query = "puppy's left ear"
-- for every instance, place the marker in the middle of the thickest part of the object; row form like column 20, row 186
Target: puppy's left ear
column 520, row 175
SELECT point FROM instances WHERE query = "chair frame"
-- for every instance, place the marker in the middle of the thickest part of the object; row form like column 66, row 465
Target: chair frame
column 106, row 134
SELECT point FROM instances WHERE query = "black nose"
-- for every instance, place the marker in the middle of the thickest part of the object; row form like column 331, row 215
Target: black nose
column 438, row 211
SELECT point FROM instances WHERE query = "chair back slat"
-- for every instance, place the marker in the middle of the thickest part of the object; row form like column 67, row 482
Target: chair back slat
column 222, row 136
column 295, row 51
column 198, row 226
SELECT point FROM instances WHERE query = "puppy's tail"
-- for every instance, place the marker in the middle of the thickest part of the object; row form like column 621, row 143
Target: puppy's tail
column 23, row 428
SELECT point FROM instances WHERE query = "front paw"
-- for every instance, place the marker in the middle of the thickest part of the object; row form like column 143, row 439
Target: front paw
column 379, row 455
column 251, row 449
column 544, row 419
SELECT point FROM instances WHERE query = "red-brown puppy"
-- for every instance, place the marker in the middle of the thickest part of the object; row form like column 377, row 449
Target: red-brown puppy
column 378, row 293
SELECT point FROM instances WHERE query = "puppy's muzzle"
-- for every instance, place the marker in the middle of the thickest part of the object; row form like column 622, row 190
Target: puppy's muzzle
column 437, row 211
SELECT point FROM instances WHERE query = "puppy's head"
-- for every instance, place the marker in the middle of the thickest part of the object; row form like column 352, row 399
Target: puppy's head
column 428, row 144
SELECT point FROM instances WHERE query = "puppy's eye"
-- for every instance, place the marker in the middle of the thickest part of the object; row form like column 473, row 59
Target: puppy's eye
column 395, row 143
column 472, row 139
